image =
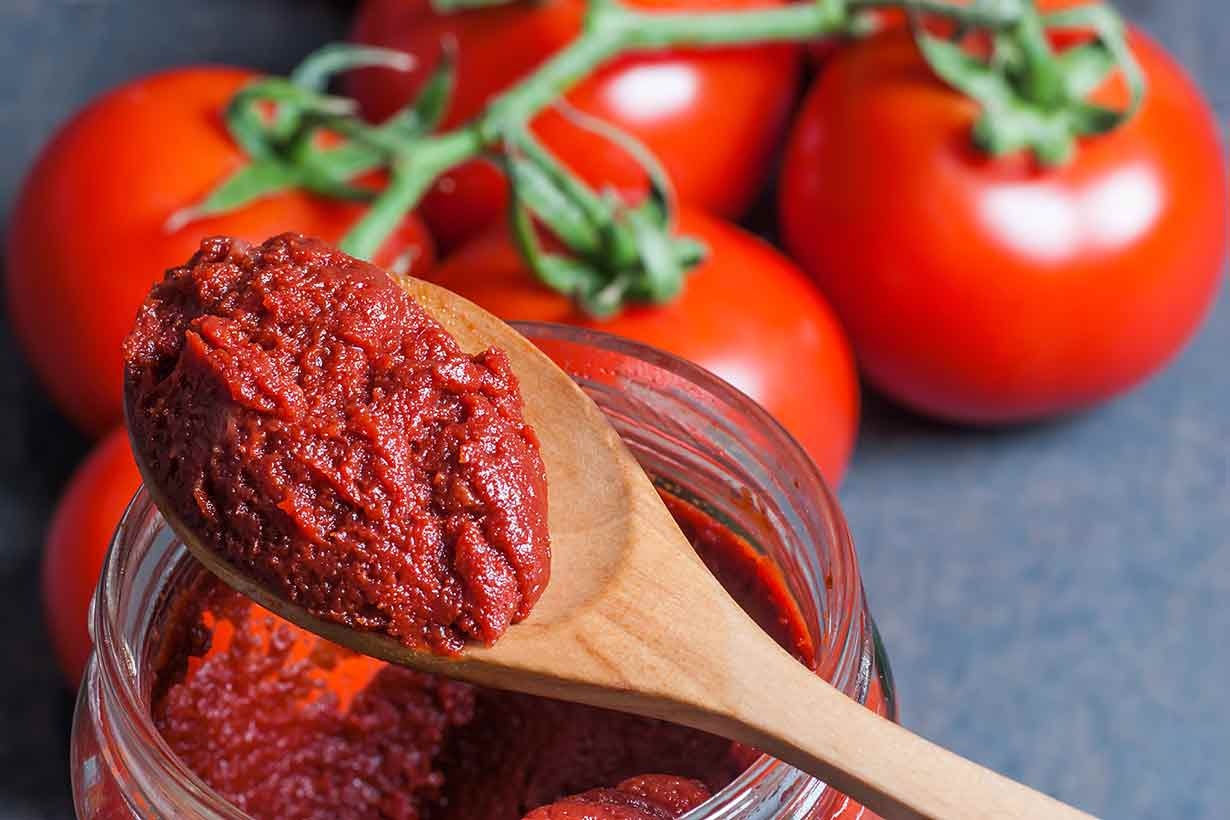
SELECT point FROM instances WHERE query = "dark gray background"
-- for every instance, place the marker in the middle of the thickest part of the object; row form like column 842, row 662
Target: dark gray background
column 1054, row 599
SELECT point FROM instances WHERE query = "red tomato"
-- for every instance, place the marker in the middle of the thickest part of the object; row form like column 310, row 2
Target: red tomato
column 87, row 237
column 985, row 290
column 746, row 314
column 712, row 117
column 77, row 542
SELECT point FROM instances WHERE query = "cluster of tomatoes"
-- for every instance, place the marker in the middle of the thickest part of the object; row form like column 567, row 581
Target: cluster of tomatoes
column 975, row 289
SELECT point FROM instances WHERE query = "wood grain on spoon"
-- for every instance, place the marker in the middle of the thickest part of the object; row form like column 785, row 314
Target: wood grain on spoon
column 633, row 621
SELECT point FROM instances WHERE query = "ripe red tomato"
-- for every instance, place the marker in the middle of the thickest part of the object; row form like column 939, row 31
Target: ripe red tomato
column 77, row 542
column 88, row 237
column 746, row 314
column 733, row 101
column 985, row 290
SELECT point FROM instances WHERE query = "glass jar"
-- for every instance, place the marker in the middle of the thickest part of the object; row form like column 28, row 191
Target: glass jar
column 699, row 439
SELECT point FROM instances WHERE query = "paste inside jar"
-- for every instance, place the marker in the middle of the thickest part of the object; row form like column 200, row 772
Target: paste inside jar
column 286, row 725
column 329, row 438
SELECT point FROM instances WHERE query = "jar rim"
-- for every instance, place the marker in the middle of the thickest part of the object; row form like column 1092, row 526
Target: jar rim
column 845, row 638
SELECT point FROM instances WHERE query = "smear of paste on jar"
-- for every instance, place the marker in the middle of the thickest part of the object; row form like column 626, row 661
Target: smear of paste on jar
column 298, row 409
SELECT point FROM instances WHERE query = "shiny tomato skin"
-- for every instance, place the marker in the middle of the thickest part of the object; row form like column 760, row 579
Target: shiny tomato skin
column 746, row 314
column 81, row 528
column 992, row 291
column 712, row 117
column 87, row 236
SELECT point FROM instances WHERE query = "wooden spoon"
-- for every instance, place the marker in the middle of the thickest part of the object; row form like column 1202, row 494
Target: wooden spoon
column 633, row 621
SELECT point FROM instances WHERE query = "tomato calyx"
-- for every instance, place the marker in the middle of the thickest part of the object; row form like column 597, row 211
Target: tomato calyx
column 618, row 253
column 1034, row 98
column 277, row 120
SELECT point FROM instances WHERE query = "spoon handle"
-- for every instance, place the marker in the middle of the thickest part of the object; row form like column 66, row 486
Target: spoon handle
column 787, row 711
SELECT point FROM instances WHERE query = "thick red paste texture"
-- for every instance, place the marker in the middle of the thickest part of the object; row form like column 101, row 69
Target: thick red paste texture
column 286, row 725
column 298, row 408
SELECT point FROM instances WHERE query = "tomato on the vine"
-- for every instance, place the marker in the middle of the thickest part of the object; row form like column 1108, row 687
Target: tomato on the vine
column 746, row 313
column 712, row 116
column 77, row 542
column 994, row 290
column 89, row 232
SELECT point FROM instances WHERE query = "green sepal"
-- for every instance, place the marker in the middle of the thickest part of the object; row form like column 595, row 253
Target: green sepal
column 428, row 109
column 1089, row 119
column 573, row 212
column 567, row 275
column 606, row 300
column 537, row 192
column 564, row 274
column 661, row 192
column 963, row 71
column 525, row 233
column 1013, row 127
column 1111, row 34
column 618, row 253
column 397, row 134
column 648, row 245
column 662, row 277
column 1032, row 98
column 313, row 76
column 650, row 223
column 255, row 180
column 281, row 150
column 259, row 138
column 689, row 251
column 1084, row 68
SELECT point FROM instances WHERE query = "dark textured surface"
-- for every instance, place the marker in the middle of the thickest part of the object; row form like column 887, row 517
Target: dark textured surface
column 1054, row 599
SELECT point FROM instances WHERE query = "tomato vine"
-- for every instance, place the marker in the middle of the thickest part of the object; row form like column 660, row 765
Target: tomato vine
column 1032, row 98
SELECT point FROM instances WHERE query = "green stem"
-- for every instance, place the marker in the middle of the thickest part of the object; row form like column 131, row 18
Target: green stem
column 1030, row 96
column 661, row 30
column 1041, row 81
column 412, row 176
column 611, row 29
column 602, row 39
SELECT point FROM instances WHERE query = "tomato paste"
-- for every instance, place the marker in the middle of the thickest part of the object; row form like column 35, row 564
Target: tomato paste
column 298, row 409
column 286, row 725
column 647, row 797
